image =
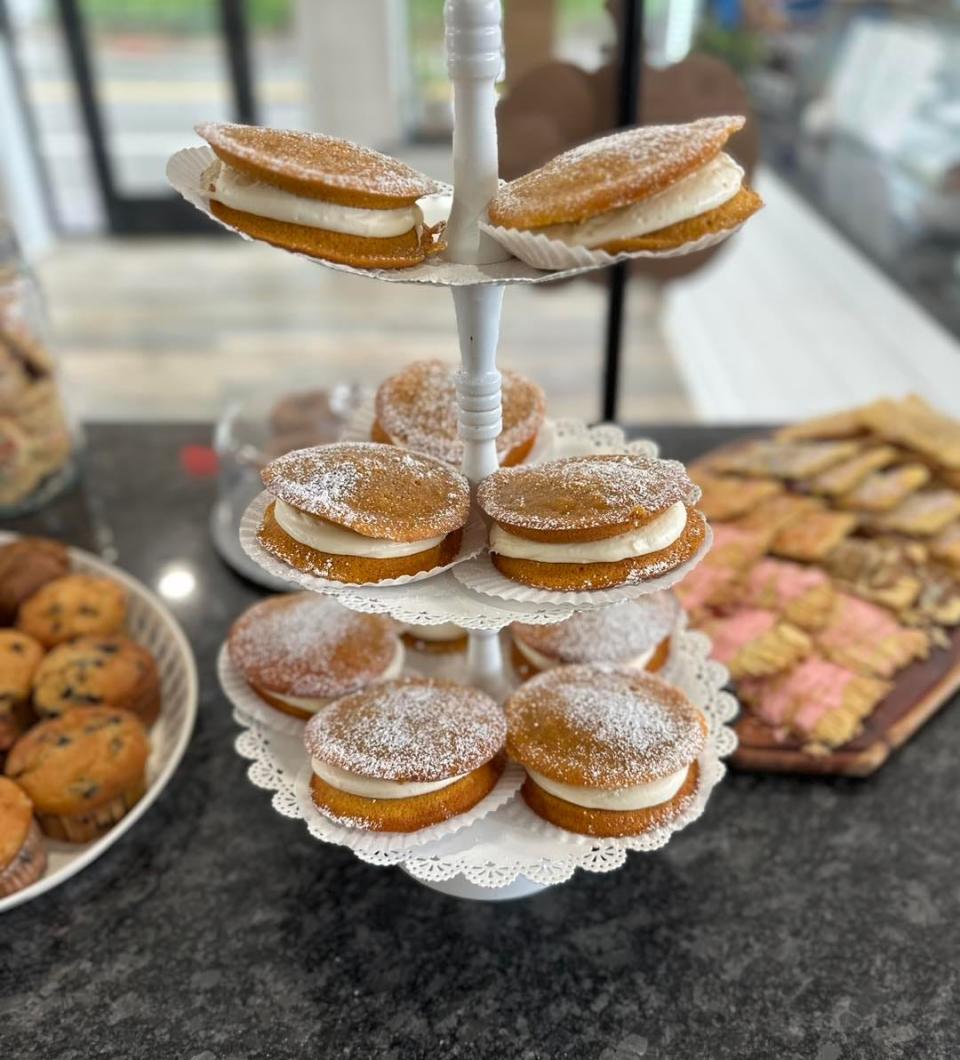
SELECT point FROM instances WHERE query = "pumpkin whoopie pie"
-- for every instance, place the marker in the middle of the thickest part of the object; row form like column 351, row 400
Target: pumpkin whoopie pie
column 83, row 770
column 319, row 195
column 406, row 754
column 361, row 512
column 23, row 856
column 442, row 639
column 607, row 752
column 417, row 408
column 648, row 188
column 300, row 651
column 634, row 634
column 592, row 522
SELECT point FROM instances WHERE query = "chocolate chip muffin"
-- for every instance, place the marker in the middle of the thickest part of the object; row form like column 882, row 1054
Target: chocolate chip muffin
column 98, row 672
column 83, row 771
column 26, row 565
column 73, row 606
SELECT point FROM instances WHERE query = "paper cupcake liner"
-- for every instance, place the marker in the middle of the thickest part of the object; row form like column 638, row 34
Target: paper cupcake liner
column 482, row 576
column 541, row 252
column 474, row 540
column 376, row 844
column 28, row 865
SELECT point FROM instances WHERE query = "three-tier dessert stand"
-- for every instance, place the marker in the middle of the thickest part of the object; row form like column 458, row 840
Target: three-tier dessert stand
column 509, row 853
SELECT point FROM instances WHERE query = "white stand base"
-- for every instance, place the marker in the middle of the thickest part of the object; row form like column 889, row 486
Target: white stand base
column 459, row 887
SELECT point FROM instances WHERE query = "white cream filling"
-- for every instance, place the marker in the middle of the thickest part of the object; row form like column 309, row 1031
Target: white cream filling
column 652, row 537
column 444, row 631
column 374, row 788
column 705, row 189
column 246, row 193
column 637, row 797
column 544, row 662
column 338, row 540
column 312, row 704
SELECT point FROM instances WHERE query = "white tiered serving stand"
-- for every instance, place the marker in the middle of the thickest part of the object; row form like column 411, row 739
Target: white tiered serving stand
column 509, row 853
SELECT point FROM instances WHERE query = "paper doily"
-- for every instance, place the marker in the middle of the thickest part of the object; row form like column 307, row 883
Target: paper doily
column 512, row 841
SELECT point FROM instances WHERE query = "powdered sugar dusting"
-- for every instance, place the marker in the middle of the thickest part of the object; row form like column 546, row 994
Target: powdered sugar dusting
column 603, row 728
column 309, row 645
column 613, row 635
column 375, row 490
column 584, row 492
column 418, row 408
column 408, row 730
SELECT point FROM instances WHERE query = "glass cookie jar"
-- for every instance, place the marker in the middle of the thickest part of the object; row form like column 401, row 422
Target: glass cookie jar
column 37, row 444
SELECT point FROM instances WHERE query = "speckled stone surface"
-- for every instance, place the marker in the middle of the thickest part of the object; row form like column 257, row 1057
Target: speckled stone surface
column 799, row 918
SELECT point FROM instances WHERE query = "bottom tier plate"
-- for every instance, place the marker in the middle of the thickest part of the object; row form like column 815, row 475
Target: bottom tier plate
column 510, row 845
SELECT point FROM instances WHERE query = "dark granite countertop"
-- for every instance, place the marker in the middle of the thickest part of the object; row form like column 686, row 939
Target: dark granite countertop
column 799, row 918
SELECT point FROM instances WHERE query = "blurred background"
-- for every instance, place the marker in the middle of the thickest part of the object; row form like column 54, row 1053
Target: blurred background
column 846, row 287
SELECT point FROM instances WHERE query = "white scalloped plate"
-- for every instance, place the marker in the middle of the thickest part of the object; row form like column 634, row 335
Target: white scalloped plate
column 185, row 174
column 511, row 843
column 150, row 624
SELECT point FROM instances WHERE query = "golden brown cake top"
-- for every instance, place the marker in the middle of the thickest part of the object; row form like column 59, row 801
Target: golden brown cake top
column 584, row 498
column 612, row 635
column 307, row 645
column 72, row 606
column 375, row 490
column 93, row 671
column 81, row 760
column 410, row 729
column 602, row 728
column 16, row 816
column 610, row 172
column 317, row 166
column 418, row 408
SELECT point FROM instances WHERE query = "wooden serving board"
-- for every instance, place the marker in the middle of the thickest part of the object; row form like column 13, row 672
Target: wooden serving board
column 919, row 691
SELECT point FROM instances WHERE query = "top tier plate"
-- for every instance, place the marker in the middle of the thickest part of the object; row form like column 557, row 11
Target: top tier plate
column 185, row 173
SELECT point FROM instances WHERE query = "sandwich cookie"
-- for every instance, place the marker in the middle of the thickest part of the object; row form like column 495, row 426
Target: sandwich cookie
column 300, row 651
column 319, row 195
column 607, row 752
column 360, row 512
column 405, row 754
column 442, row 639
column 650, row 188
column 417, row 409
column 592, row 522
column 634, row 635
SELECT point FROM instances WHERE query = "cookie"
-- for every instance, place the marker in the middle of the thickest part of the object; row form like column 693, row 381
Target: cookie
column 417, row 409
column 83, row 771
column 443, row 639
column 847, row 475
column 607, row 752
column 884, row 490
column 362, row 512
column 922, row 514
column 319, row 195
column 833, row 426
column 814, row 536
column 19, row 475
column 726, row 497
column 803, row 596
column 404, row 755
column 753, row 642
column 592, row 522
column 868, row 639
column 917, row 426
column 23, row 857
column 26, row 565
column 73, row 606
column 300, row 651
column 646, row 188
column 100, row 671
column 634, row 635
column 881, row 570
column 787, row 460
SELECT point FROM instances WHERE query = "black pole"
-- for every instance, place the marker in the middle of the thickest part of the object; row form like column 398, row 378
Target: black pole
column 233, row 21
column 628, row 113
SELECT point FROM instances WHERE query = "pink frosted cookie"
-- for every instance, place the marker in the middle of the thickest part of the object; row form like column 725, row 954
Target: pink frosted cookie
column 801, row 595
column 753, row 642
column 869, row 639
column 817, row 701
column 714, row 582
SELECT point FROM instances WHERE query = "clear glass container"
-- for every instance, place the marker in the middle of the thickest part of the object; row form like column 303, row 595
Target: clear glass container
column 38, row 444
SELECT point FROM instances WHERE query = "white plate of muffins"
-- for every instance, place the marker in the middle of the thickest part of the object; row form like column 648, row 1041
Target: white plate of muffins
column 98, row 696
